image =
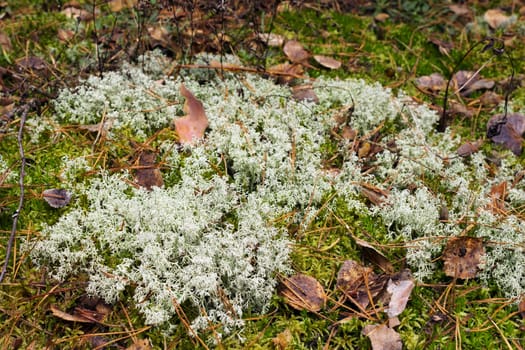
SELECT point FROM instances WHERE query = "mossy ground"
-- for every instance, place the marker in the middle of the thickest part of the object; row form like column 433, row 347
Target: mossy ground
column 393, row 52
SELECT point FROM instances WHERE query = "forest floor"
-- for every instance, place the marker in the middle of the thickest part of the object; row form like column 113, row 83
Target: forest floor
column 463, row 61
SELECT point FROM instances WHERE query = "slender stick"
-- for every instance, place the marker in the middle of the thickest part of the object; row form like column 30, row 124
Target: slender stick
column 25, row 110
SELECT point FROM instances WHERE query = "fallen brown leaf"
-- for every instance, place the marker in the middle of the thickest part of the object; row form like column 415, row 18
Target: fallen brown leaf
column 286, row 72
column 77, row 13
column 147, row 174
column 495, row 18
column 5, row 42
column 358, row 282
column 382, row 337
column 521, row 307
column 399, row 287
column 434, row 82
column 498, row 193
column 295, row 52
column 327, row 62
column 140, row 344
column 304, row 93
column 303, row 292
column 191, row 127
column 271, row 39
column 469, row 148
column 69, row 317
column 65, row 34
column 370, row 253
column 283, row 339
column 57, row 198
column 381, row 17
column 510, row 132
column 459, row 10
column 119, row 5
column 462, row 256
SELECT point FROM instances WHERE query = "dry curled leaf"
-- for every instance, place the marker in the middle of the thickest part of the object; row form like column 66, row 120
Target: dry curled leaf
column 271, row 39
column 327, row 62
column 521, row 307
column 303, row 292
column 462, row 256
column 495, row 18
column 57, row 198
column 65, row 34
column 286, row 72
column 77, row 13
column 383, row 337
column 5, row 42
column 399, row 288
column 119, row 5
column 498, row 193
column 304, row 93
column 191, row 127
column 358, row 282
column 283, row 339
column 370, row 253
column 69, row 317
column 147, row 173
column 140, row 344
column 509, row 133
column 466, row 82
column 434, row 82
column 295, row 52
column 469, row 148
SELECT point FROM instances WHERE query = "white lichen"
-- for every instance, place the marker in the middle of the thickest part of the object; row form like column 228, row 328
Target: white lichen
column 206, row 239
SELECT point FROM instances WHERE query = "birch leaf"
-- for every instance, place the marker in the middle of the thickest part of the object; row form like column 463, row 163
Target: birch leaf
column 191, row 127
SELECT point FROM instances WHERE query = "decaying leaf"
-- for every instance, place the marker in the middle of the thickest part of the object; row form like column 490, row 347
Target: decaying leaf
column 490, row 98
column 140, row 344
column 399, row 287
column 77, row 13
column 466, row 82
column 57, row 198
column 373, row 193
column 327, row 62
column 31, row 62
column 509, row 133
column 99, row 128
column 283, row 339
column 498, row 193
column 443, row 46
column 286, row 72
column 434, row 82
column 459, row 10
column 495, row 18
column 381, row 17
column 147, row 173
column 347, row 133
column 65, row 34
column 191, row 127
column 296, row 52
column 303, row 292
column 271, row 39
column 304, row 93
column 521, row 307
column 69, row 317
column 469, row 148
column 159, row 35
column 370, row 253
column 119, row 5
column 462, row 256
column 383, row 337
column 5, row 42
column 358, row 282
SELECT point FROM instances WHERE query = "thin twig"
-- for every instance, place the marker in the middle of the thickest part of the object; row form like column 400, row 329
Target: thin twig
column 25, row 110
